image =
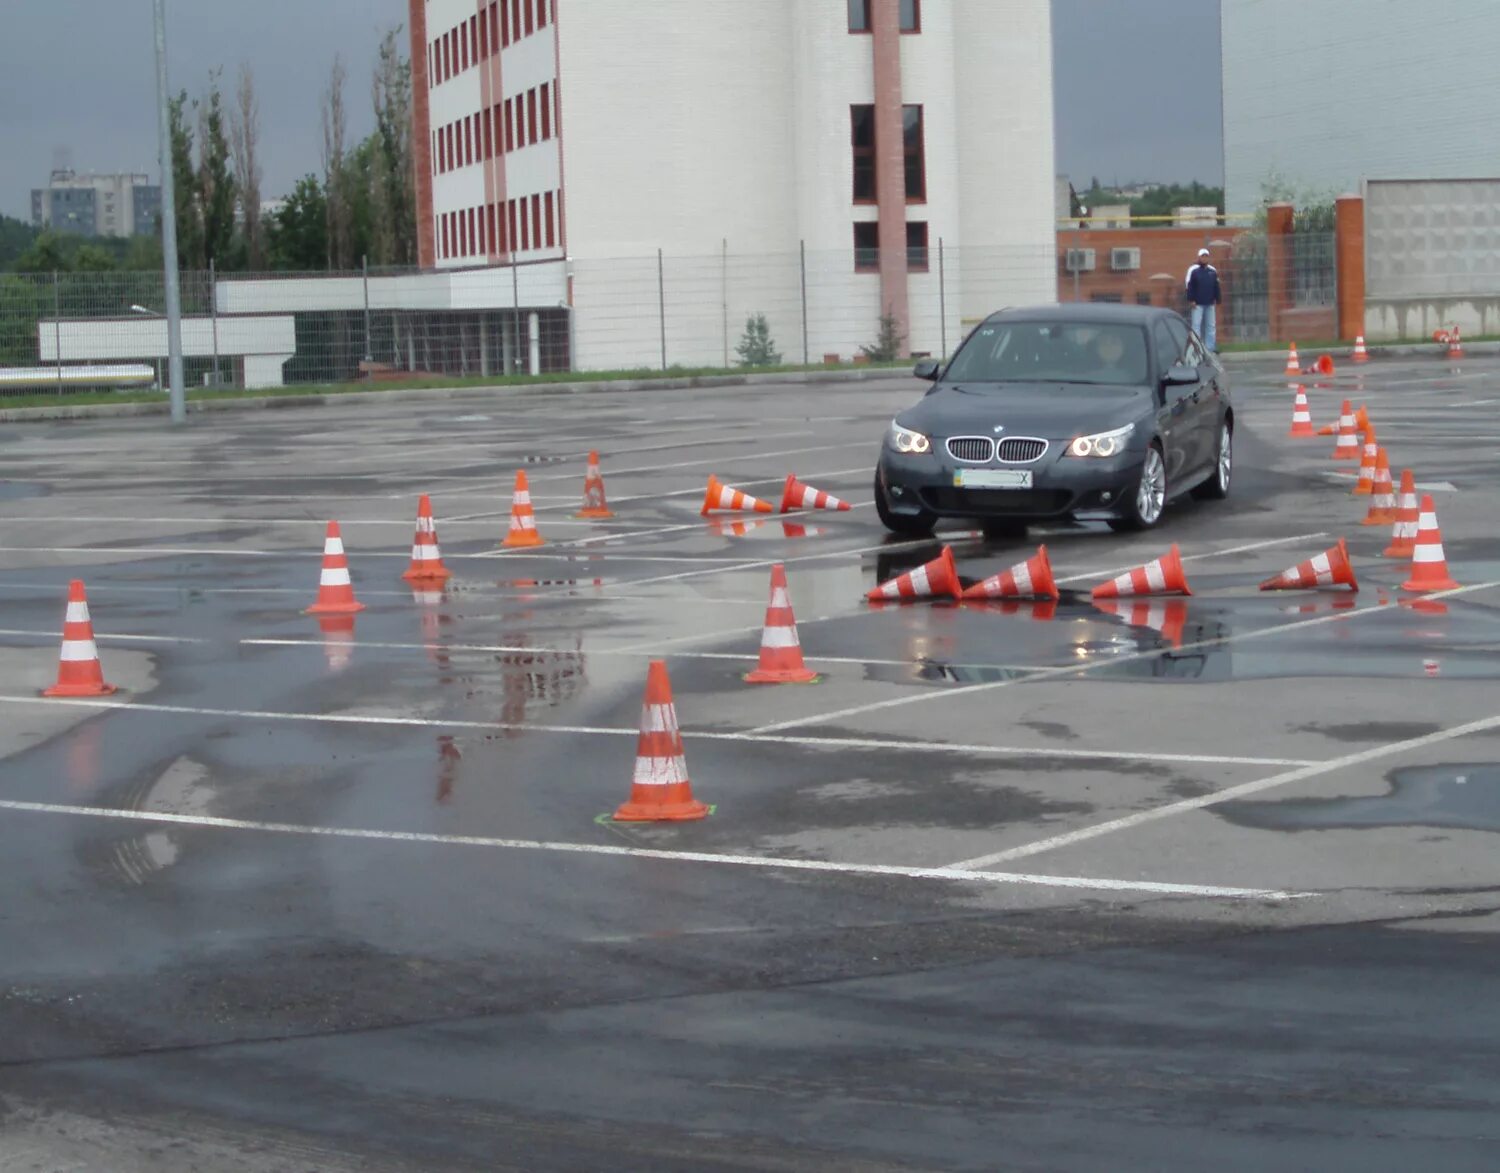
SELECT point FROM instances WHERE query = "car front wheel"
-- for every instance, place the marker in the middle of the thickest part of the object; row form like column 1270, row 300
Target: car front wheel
column 1216, row 488
column 1150, row 497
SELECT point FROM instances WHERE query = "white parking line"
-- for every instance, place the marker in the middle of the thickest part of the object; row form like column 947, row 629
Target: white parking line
column 770, row 863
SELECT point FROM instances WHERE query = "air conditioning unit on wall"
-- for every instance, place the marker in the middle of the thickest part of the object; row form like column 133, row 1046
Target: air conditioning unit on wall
column 1079, row 260
column 1122, row 259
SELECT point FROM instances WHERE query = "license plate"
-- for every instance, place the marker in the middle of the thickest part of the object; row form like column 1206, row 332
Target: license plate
column 992, row 478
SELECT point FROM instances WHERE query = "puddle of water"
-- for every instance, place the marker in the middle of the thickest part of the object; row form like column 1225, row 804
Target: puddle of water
column 18, row 490
column 1464, row 797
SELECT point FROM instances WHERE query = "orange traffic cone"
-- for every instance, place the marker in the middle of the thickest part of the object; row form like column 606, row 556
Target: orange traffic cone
column 1293, row 363
column 1301, row 416
column 1360, row 353
column 1362, row 420
column 1031, row 579
column 780, row 649
column 523, row 531
column 1429, row 568
column 1330, row 568
column 1324, row 366
column 1455, row 344
column 660, row 790
column 938, row 577
column 335, row 591
column 1165, row 616
column 595, row 507
column 1163, row 576
column 800, row 496
column 721, row 496
column 1408, row 514
column 1383, row 495
column 426, row 558
column 1365, row 484
column 1347, row 447
column 79, row 672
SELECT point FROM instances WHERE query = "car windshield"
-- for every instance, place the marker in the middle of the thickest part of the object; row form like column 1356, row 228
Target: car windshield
column 1052, row 352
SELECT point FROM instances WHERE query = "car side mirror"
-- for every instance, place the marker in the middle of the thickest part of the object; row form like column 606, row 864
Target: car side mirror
column 1180, row 375
column 928, row 369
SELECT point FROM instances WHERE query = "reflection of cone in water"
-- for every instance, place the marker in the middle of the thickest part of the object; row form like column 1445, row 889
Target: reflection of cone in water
column 432, row 620
column 1364, row 485
column 594, row 504
column 1038, row 610
column 799, row 496
column 780, row 649
column 1330, row 568
column 1301, row 416
column 938, row 577
column 1347, row 446
column 1383, row 494
column 727, row 527
column 338, row 640
column 1341, row 602
column 1031, row 579
column 1429, row 566
column 1168, row 617
column 449, row 756
column 426, row 558
column 78, row 669
column 720, row 496
column 660, row 789
column 523, row 531
column 81, row 759
column 1162, row 576
column 335, row 590
column 1408, row 513
column 794, row 529
column 1425, row 606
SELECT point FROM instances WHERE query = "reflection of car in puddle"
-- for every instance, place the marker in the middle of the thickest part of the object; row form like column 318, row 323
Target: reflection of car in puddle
column 1465, row 796
column 1174, row 628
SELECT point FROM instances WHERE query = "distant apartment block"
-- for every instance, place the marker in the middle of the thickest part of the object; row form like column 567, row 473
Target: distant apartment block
column 97, row 205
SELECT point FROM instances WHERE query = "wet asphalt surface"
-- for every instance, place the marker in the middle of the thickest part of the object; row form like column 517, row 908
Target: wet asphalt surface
column 321, row 896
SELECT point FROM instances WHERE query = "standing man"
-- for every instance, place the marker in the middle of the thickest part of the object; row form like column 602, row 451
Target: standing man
column 1203, row 296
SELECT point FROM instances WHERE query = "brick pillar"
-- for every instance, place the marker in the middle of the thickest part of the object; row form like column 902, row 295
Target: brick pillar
column 421, row 132
column 890, row 162
column 1349, row 259
column 1278, row 267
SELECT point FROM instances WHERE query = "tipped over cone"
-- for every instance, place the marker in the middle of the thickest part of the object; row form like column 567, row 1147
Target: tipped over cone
column 1031, row 579
column 1162, row 576
column 660, row 790
column 796, row 495
column 79, row 672
column 1330, row 568
column 721, row 496
column 936, row 578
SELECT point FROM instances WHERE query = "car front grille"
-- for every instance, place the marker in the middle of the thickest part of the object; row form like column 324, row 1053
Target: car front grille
column 972, row 449
column 1021, row 449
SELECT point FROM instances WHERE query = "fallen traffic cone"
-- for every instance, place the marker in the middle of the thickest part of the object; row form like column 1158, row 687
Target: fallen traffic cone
column 1301, row 416
column 1168, row 617
column 595, row 507
column 938, row 577
column 1163, row 576
column 426, row 558
column 660, row 790
column 721, row 496
column 1293, row 363
column 780, row 649
column 1383, row 494
column 1347, row 447
column 335, row 591
column 1330, row 568
column 1455, row 344
column 1408, row 514
column 523, row 531
column 1365, row 484
column 1429, row 568
column 79, row 672
column 1031, row 579
column 800, row 496
column 1324, row 366
column 1360, row 353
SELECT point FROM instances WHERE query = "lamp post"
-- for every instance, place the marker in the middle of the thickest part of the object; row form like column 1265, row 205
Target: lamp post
column 169, row 222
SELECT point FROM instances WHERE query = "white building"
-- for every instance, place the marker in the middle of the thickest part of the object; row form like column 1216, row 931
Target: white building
column 118, row 205
column 762, row 146
column 1324, row 95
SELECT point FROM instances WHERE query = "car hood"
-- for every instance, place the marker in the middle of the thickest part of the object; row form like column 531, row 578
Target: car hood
column 1053, row 411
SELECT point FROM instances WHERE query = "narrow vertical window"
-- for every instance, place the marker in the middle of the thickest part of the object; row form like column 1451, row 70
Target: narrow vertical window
column 505, row 37
column 867, row 247
column 859, row 16
column 862, row 140
column 489, row 135
column 496, row 13
column 468, row 143
column 551, row 223
column 546, row 104
column 515, row 20
column 484, row 33
column 531, row 116
column 916, row 246
column 474, row 44
column 911, row 16
column 510, row 133
column 915, row 148
column 515, row 239
column 530, row 15
column 463, row 47
column 536, row 221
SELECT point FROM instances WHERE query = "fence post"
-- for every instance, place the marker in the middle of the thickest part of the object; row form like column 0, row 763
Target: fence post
column 724, row 297
column 942, row 299
column 57, row 327
column 661, row 303
column 364, row 262
column 213, row 314
column 1349, row 265
column 806, row 347
column 1280, row 220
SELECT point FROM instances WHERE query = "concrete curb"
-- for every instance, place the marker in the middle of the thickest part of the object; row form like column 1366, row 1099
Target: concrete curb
column 86, row 411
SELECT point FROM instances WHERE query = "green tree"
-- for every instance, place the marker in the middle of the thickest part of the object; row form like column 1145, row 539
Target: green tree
column 297, row 235
column 215, row 178
column 189, row 217
column 889, row 343
column 756, row 349
column 393, row 218
column 16, row 236
column 46, row 255
column 92, row 258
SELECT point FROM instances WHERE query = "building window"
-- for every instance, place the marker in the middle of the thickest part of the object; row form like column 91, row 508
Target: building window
column 911, row 16
column 497, row 11
column 1142, row 299
column 546, row 105
column 867, row 247
column 1106, row 298
column 914, row 145
column 489, row 135
column 530, row 17
column 476, row 48
column 862, row 138
column 536, row 221
column 504, row 24
column 551, row 222
column 510, row 132
column 531, row 116
column 463, row 47
column 515, row 238
column 916, row 246
column 468, row 142
column 484, row 33
column 859, row 16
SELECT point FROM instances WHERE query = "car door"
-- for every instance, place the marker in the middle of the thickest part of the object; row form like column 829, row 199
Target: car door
column 1173, row 420
column 1200, row 409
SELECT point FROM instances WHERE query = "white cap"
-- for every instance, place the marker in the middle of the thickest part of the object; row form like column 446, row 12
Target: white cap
column 1203, row 252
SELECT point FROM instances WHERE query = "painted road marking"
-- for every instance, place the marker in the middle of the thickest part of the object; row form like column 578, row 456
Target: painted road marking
column 770, row 863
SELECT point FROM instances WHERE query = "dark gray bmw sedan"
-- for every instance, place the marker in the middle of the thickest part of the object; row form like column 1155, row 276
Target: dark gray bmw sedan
column 1087, row 411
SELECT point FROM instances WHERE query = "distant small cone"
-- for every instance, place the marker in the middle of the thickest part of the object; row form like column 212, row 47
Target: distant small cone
column 780, row 649
column 799, row 496
column 1408, row 514
column 721, row 496
column 335, row 591
column 1429, row 566
column 1383, row 496
column 1168, row 617
column 1455, row 344
column 1301, row 416
column 426, row 558
column 79, row 672
column 595, row 507
column 938, row 577
column 1360, row 353
column 1293, row 363
column 1163, row 576
column 1031, row 579
column 660, row 790
column 523, row 531
column 1347, row 447
column 1330, row 568
column 1365, row 484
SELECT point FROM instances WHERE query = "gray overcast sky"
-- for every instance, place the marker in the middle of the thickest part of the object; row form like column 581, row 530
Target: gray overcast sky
column 1137, row 82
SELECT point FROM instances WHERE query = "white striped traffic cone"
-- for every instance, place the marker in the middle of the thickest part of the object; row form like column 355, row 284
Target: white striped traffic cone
column 79, row 672
column 523, row 531
column 780, row 649
column 1429, row 566
column 335, row 590
column 1163, row 576
column 660, row 790
column 426, row 558
column 800, row 496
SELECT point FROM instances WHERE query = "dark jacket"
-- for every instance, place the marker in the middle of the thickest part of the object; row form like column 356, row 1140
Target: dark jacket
column 1203, row 284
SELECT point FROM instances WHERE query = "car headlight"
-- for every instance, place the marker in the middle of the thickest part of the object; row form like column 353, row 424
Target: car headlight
column 1101, row 443
column 905, row 440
